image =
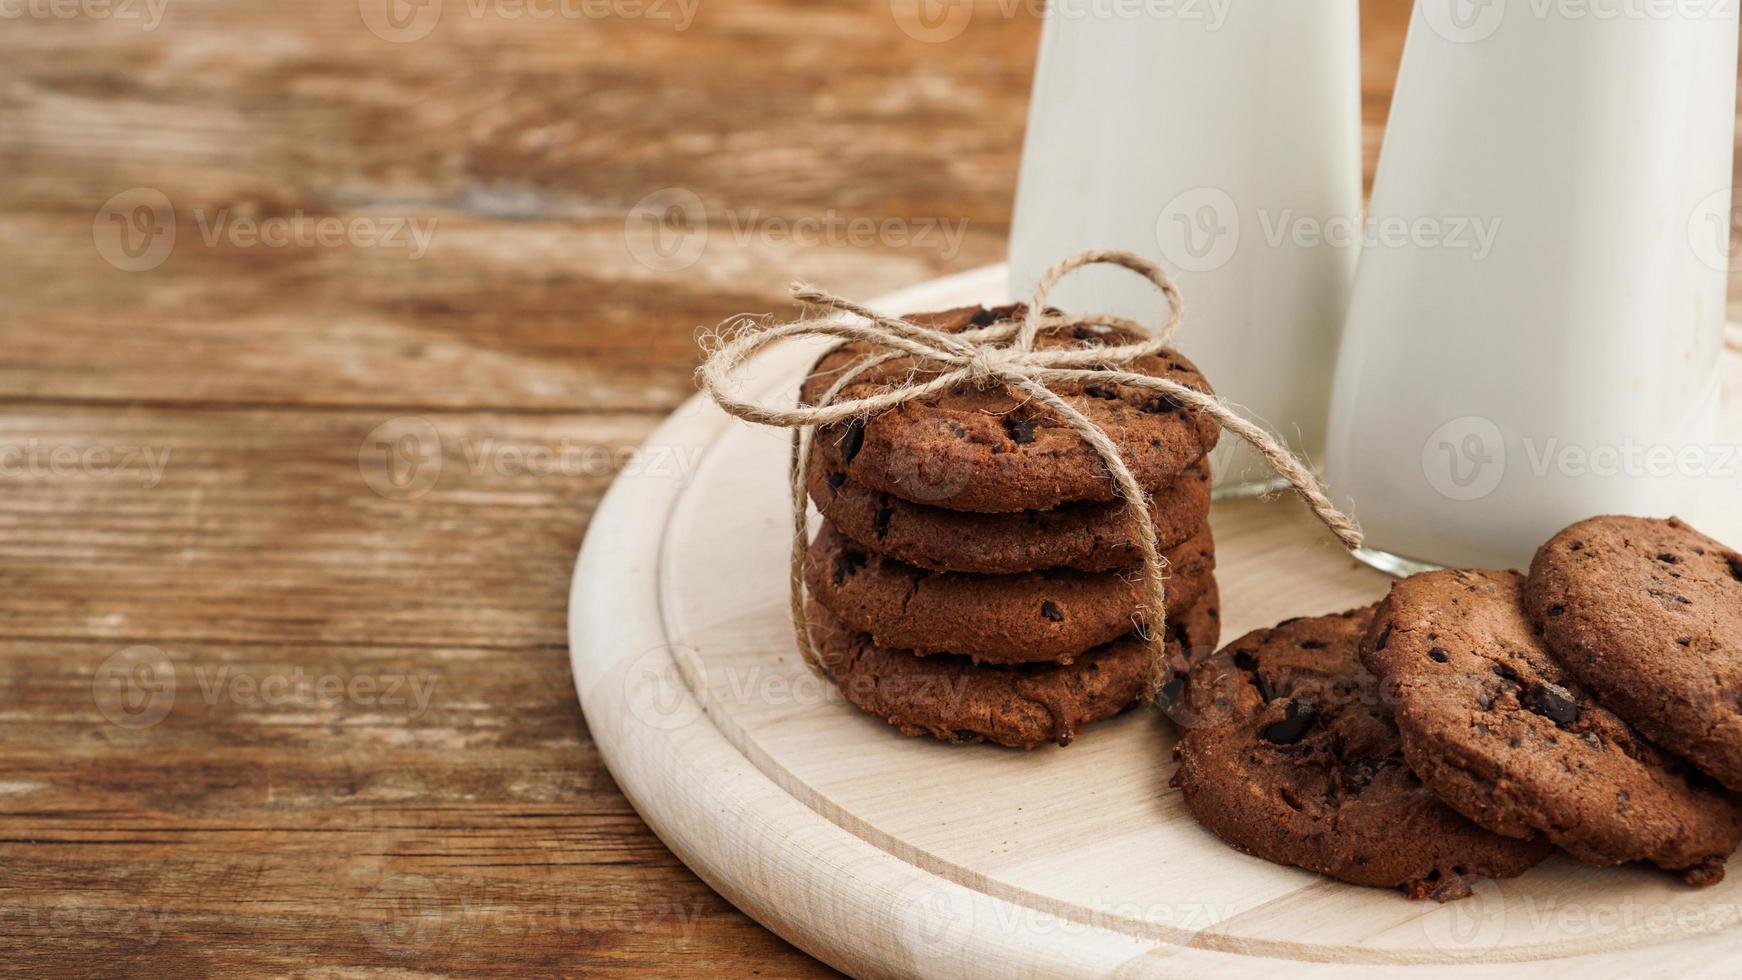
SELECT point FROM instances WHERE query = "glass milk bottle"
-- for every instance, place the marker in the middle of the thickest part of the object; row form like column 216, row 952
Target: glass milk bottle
column 1222, row 139
column 1541, row 343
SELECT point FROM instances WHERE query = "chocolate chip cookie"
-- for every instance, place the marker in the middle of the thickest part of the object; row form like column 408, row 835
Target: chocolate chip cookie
column 1023, row 618
column 995, row 451
column 1648, row 616
column 1093, row 537
column 1500, row 731
column 1024, row 706
column 1292, row 756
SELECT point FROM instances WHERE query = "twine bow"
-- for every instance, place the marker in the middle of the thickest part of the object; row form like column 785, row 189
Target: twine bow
column 1002, row 354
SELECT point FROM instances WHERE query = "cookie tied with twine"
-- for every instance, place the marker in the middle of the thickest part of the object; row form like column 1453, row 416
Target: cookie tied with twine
column 1003, row 354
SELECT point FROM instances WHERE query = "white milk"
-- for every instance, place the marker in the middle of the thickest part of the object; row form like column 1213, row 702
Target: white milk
column 1222, row 138
column 1487, row 396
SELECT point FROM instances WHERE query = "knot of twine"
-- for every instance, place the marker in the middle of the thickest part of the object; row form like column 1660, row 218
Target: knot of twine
column 1000, row 354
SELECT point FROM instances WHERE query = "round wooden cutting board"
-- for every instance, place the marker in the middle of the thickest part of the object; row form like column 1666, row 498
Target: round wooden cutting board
column 889, row 856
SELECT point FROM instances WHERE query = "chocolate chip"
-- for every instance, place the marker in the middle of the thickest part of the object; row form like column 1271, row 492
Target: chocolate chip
column 1161, row 405
column 1358, row 774
column 1384, row 638
column 1297, row 717
column 1020, row 431
column 881, row 522
column 1557, row 611
column 1736, row 567
column 1312, row 644
column 1095, row 391
column 1265, row 689
column 1669, row 559
column 853, row 439
column 1686, row 641
column 1244, row 658
column 983, row 318
column 846, row 564
column 1550, row 704
column 1502, row 670
column 1051, row 611
column 836, row 480
column 1438, row 655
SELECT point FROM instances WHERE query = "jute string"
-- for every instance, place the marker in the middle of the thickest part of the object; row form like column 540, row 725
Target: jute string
column 1002, row 354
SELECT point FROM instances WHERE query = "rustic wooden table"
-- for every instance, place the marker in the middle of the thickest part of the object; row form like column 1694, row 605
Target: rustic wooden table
column 325, row 327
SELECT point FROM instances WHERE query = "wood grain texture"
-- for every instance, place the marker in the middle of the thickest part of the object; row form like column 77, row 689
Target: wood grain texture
column 480, row 833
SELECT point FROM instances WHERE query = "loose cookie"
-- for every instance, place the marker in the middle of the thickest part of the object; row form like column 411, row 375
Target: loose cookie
column 1024, row 618
column 1288, row 753
column 993, row 451
column 1499, row 730
column 951, row 698
column 1092, row 537
column 1648, row 616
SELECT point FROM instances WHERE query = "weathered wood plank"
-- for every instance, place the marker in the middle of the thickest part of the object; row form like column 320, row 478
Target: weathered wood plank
column 398, row 809
column 307, row 527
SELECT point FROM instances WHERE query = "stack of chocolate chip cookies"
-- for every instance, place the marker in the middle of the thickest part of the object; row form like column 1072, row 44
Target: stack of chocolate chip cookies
column 1475, row 720
column 976, row 577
